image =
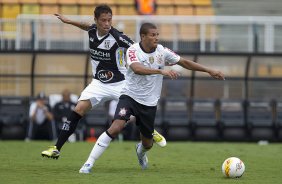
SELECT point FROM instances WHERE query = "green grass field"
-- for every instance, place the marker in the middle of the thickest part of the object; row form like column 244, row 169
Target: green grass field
column 179, row 162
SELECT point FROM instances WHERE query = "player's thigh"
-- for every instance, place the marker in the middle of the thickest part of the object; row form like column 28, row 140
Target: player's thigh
column 125, row 108
column 82, row 107
column 97, row 93
column 115, row 89
column 145, row 120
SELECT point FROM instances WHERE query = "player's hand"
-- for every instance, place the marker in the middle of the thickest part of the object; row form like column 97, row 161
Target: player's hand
column 170, row 73
column 217, row 74
column 62, row 18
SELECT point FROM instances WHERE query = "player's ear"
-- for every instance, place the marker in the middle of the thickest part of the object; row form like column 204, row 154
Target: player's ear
column 95, row 20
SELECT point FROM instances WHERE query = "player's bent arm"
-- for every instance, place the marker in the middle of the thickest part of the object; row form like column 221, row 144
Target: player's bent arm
column 139, row 69
column 82, row 25
column 190, row 65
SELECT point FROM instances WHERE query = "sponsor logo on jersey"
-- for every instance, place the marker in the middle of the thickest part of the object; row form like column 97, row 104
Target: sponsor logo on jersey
column 105, row 75
column 151, row 59
column 100, row 53
column 91, row 39
column 122, row 112
column 132, row 55
column 107, row 44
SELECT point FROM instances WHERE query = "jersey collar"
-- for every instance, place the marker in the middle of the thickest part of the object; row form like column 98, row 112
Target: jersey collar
column 144, row 49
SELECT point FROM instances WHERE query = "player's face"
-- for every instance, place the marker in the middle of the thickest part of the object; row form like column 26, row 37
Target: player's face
column 151, row 38
column 104, row 23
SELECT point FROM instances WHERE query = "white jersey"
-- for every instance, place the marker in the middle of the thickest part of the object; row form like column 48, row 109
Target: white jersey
column 146, row 89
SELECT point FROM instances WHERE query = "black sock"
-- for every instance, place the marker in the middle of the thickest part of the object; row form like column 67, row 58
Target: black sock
column 67, row 129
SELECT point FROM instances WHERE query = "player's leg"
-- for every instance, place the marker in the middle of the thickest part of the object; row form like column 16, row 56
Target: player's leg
column 101, row 145
column 92, row 95
column 157, row 137
column 68, row 128
column 145, row 121
column 122, row 114
column 141, row 148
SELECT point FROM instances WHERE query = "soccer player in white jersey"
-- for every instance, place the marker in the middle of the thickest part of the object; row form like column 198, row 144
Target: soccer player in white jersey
column 107, row 48
column 140, row 95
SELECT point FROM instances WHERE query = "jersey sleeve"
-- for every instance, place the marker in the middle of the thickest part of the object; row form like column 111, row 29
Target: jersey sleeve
column 93, row 26
column 125, row 41
column 170, row 56
column 122, row 39
column 131, row 56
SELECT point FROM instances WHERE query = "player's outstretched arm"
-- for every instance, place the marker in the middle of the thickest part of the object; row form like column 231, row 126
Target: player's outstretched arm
column 82, row 25
column 190, row 65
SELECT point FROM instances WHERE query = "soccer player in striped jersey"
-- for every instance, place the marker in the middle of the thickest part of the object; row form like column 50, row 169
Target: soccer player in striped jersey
column 107, row 48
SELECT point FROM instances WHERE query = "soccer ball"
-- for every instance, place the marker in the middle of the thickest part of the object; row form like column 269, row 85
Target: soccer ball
column 233, row 167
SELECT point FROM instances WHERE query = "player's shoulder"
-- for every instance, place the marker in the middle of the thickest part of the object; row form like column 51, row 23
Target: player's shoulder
column 92, row 27
column 135, row 46
column 115, row 31
column 121, row 37
column 160, row 47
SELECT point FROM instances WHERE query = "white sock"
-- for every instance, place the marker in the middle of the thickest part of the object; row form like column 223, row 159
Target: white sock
column 100, row 146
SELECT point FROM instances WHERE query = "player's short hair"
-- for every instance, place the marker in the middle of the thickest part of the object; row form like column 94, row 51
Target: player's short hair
column 102, row 8
column 144, row 29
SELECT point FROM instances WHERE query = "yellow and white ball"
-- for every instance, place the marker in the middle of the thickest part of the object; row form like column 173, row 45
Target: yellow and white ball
column 233, row 167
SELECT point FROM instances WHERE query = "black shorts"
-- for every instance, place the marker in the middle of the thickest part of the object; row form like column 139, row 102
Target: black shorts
column 145, row 115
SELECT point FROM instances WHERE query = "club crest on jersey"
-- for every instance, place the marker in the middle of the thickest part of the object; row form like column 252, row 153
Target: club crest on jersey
column 151, row 59
column 107, row 44
column 122, row 112
column 91, row 39
column 105, row 75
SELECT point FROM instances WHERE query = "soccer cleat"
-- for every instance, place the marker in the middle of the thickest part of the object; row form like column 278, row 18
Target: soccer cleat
column 159, row 139
column 52, row 152
column 142, row 158
column 85, row 169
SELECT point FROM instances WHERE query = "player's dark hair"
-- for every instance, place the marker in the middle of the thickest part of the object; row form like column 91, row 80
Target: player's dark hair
column 144, row 29
column 102, row 8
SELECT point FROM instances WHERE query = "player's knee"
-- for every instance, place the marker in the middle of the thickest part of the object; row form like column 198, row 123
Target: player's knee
column 82, row 107
column 116, row 127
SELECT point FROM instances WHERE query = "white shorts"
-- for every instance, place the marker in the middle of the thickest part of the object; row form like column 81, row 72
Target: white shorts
column 98, row 92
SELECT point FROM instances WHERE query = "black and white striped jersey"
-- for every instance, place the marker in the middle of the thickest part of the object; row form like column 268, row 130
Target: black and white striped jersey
column 108, row 54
